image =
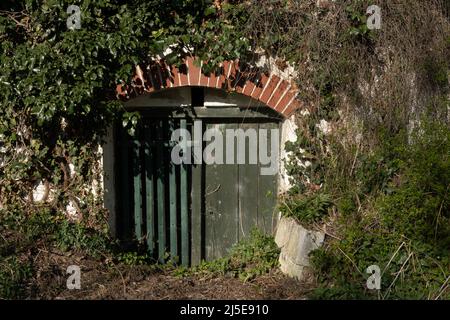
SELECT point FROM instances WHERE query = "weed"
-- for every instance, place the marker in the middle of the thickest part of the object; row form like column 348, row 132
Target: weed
column 14, row 276
column 307, row 209
column 253, row 256
column 133, row 258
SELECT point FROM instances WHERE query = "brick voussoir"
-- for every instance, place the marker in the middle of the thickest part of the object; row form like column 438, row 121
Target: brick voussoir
column 233, row 73
column 270, row 88
column 165, row 73
column 204, row 79
column 279, row 93
column 290, row 109
column 183, row 74
column 285, row 100
column 221, row 82
column 260, row 87
column 193, row 72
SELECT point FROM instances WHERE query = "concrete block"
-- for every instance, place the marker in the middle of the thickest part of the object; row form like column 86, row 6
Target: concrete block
column 296, row 243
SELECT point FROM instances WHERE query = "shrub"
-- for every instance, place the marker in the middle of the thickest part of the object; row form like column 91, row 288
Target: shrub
column 404, row 229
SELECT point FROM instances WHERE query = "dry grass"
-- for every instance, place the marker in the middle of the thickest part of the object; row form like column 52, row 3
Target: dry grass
column 107, row 281
column 382, row 76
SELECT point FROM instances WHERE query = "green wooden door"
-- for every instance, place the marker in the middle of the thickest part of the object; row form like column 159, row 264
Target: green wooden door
column 153, row 191
column 237, row 197
column 191, row 212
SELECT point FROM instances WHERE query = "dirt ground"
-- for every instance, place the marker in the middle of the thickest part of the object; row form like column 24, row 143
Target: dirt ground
column 102, row 279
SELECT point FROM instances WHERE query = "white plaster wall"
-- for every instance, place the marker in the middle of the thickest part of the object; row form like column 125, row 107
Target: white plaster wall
column 288, row 133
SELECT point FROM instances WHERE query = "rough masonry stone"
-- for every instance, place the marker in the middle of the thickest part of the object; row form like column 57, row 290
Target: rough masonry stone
column 296, row 243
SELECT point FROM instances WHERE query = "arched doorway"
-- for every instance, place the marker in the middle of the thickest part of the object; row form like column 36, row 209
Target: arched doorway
column 197, row 210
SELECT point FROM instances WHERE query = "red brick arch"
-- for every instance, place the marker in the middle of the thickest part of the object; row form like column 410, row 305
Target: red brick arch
column 270, row 89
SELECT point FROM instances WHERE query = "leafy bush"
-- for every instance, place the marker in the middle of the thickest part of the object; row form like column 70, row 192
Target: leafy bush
column 419, row 207
column 70, row 236
column 405, row 229
column 133, row 258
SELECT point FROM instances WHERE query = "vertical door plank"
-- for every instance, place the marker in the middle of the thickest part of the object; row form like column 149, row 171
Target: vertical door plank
column 125, row 185
column 184, row 209
column 248, row 187
column 149, row 190
column 267, row 195
column 161, row 192
column 173, row 202
column 137, row 186
column 221, row 204
column 196, row 213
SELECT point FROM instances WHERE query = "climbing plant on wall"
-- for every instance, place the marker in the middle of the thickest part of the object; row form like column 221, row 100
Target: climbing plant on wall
column 58, row 78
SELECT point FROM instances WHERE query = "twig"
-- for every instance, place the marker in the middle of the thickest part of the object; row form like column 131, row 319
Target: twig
column 120, row 273
column 437, row 220
column 354, row 264
column 354, row 160
column 396, row 277
column 393, row 256
column 443, row 288
column 323, row 229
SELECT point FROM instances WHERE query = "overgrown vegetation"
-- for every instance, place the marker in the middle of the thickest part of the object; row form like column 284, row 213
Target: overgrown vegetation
column 254, row 256
column 307, row 209
column 402, row 225
column 371, row 160
column 14, row 276
column 23, row 237
column 57, row 86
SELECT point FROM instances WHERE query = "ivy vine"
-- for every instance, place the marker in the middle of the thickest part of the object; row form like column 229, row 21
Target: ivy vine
column 57, row 85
